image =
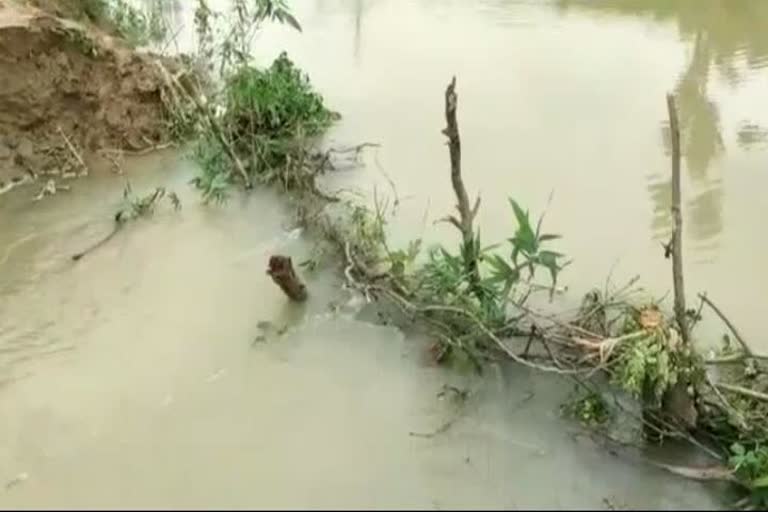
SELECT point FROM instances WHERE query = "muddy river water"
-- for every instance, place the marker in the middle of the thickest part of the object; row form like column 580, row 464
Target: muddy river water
column 134, row 378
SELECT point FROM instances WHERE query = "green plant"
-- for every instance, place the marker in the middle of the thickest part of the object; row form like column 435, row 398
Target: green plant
column 448, row 279
column 278, row 101
column 750, row 464
column 591, row 409
column 135, row 25
column 225, row 38
column 528, row 243
column 214, row 178
column 136, row 207
column 651, row 359
column 269, row 117
column 95, row 10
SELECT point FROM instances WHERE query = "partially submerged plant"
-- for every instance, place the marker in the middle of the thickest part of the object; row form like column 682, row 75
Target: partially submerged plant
column 136, row 207
column 133, row 208
column 590, row 409
column 501, row 281
column 750, row 464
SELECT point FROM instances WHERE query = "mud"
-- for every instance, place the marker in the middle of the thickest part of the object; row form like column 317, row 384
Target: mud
column 67, row 90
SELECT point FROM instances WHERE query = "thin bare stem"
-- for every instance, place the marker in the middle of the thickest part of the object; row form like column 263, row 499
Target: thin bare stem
column 757, row 395
column 466, row 214
column 677, row 218
column 728, row 323
column 72, row 149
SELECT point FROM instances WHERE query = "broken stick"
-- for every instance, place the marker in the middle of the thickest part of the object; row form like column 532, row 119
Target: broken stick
column 283, row 274
column 466, row 214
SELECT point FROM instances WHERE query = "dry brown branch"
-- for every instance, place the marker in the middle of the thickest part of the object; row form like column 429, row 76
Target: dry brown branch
column 606, row 347
column 73, row 150
column 355, row 149
column 730, row 326
column 734, row 358
column 710, row 474
column 677, row 218
column 725, row 404
column 440, row 430
column 466, row 214
column 757, row 395
column 139, row 152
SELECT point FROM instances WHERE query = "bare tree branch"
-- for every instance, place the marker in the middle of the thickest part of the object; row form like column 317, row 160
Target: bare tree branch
column 466, row 215
column 677, row 218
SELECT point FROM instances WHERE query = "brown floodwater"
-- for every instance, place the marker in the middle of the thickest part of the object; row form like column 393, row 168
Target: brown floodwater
column 138, row 378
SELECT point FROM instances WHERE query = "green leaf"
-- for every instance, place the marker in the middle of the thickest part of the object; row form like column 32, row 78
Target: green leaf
column 738, row 449
column 545, row 238
column 550, row 255
column 520, row 215
column 760, row 482
column 288, row 18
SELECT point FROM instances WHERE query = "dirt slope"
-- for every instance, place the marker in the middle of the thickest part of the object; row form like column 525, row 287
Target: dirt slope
column 61, row 80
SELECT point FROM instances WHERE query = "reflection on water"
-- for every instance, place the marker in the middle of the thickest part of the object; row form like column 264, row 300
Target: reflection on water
column 730, row 37
column 735, row 29
column 752, row 135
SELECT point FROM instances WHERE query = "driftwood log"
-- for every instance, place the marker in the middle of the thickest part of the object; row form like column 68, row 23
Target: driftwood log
column 283, row 274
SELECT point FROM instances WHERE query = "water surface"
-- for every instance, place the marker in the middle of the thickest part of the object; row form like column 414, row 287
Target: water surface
column 132, row 379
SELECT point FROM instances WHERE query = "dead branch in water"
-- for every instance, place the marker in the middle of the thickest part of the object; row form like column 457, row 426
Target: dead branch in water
column 757, row 395
column 466, row 215
column 119, row 223
column 747, row 349
column 677, row 218
column 136, row 207
column 283, row 274
column 711, row 474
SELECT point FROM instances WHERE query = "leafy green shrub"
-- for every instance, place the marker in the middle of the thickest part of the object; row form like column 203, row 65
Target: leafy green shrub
column 591, row 410
column 447, row 279
column 279, row 102
column 751, row 466
column 269, row 116
column 649, row 364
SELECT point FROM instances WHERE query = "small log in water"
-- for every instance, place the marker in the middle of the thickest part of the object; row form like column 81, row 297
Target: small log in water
column 282, row 273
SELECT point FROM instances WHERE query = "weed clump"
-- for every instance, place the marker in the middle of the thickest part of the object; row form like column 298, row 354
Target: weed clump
column 276, row 102
column 272, row 118
column 590, row 409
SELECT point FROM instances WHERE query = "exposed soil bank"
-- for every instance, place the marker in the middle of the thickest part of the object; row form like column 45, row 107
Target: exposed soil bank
column 59, row 80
